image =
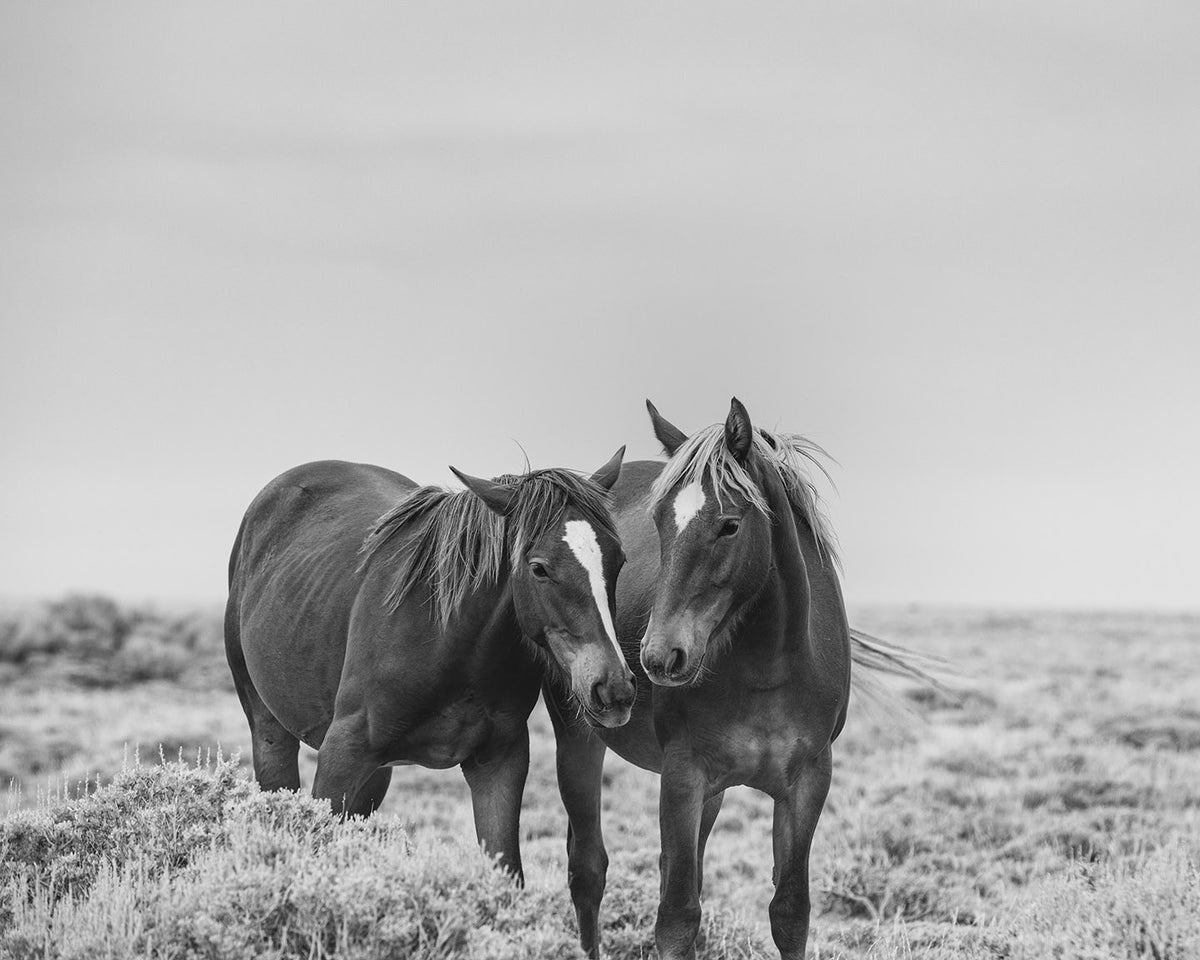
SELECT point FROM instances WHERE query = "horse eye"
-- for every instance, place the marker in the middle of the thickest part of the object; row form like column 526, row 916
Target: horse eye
column 539, row 571
column 728, row 528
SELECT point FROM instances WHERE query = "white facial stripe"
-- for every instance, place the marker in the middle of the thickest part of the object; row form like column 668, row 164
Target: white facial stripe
column 581, row 538
column 688, row 502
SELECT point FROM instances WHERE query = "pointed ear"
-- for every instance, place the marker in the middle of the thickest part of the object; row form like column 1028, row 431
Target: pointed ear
column 607, row 475
column 498, row 497
column 669, row 435
column 738, row 432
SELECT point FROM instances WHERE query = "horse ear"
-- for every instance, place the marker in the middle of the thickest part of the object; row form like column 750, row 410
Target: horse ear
column 738, row 432
column 607, row 475
column 497, row 496
column 669, row 435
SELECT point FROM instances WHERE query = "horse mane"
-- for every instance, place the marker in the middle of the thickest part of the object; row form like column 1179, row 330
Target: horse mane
column 454, row 543
column 790, row 455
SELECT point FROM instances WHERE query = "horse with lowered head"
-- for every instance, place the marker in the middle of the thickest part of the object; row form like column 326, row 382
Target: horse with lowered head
column 385, row 623
column 730, row 604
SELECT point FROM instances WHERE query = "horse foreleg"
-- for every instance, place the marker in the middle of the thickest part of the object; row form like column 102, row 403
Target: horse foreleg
column 580, row 758
column 796, row 818
column 371, row 794
column 496, row 777
column 344, row 764
column 708, row 817
column 680, row 804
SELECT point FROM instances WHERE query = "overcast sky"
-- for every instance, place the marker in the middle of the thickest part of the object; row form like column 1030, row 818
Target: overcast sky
column 956, row 243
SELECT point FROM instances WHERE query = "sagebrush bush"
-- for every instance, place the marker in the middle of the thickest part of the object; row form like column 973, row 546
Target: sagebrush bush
column 1138, row 907
column 175, row 861
column 82, row 625
column 149, row 653
column 1049, row 818
column 94, row 641
column 158, row 815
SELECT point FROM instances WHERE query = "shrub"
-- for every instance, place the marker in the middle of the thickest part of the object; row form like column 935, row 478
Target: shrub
column 83, row 625
column 1165, row 729
column 159, row 815
column 149, row 654
column 1139, row 907
column 175, row 861
column 93, row 641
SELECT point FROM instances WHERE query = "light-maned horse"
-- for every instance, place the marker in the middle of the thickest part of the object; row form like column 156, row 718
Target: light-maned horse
column 730, row 603
column 385, row 623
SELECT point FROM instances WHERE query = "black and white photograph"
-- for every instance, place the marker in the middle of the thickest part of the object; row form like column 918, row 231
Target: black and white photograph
column 521, row 481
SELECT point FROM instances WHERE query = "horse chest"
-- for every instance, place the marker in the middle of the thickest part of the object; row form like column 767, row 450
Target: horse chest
column 452, row 733
column 444, row 709
column 763, row 744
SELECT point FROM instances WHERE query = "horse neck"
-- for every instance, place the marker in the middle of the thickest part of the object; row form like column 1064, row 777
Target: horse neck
column 776, row 634
column 487, row 619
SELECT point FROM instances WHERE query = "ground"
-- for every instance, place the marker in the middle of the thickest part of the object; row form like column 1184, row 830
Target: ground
column 1049, row 809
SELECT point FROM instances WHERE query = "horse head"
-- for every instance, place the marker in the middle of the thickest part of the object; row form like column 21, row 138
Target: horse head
column 715, row 534
column 565, row 556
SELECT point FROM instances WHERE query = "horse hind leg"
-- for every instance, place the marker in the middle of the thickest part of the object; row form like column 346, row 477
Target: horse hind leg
column 276, row 752
column 275, row 749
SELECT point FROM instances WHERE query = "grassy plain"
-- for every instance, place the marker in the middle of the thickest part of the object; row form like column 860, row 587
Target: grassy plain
column 1051, row 810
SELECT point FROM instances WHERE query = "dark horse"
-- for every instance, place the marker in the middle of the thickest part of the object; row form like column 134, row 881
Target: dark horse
column 732, row 590
column 386, row 623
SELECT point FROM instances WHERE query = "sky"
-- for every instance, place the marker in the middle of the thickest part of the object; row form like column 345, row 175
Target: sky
column 956, row 243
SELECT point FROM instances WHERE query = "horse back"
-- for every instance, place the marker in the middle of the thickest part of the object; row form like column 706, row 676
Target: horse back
column 313, row 516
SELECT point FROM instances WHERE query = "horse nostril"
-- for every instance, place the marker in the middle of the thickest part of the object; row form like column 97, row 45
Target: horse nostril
column 598, row 697
column 676, row 660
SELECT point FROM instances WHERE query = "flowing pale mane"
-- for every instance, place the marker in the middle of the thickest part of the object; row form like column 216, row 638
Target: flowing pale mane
column 790, row 455
column 452, row 542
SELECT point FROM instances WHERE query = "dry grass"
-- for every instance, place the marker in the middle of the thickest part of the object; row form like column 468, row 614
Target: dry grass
column 1049, row 812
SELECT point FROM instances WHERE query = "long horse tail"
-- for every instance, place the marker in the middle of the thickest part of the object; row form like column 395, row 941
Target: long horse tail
column 873, row 657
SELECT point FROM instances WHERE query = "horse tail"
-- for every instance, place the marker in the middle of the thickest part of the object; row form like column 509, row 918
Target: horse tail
column 873, row 657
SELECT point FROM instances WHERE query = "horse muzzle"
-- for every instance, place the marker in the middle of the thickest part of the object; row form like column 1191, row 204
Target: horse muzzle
column 670, row 664
column 610, row 702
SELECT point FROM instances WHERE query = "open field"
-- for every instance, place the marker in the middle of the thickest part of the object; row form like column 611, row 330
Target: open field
column 1050, row 811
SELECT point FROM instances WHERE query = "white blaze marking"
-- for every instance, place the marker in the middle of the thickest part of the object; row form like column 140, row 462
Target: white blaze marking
column 581, row 538
column 688, row 502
